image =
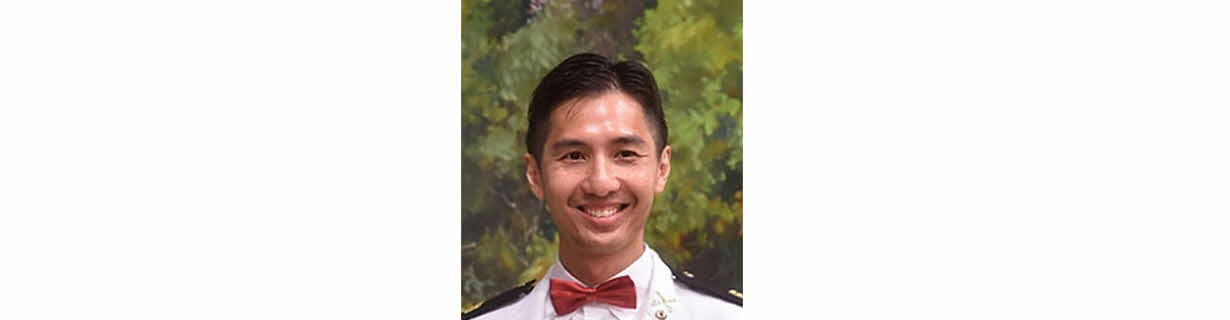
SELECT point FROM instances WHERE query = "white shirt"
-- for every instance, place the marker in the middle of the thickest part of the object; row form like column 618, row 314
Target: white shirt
column 657, row 297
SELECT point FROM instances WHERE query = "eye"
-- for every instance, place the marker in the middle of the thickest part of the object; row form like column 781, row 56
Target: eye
column 574, row 156
column 626, row 154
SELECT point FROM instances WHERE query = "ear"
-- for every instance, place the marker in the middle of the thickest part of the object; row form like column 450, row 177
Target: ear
column 533, row 176
column 664, row 169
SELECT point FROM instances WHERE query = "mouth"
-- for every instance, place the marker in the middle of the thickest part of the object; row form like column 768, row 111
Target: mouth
column 602, row 210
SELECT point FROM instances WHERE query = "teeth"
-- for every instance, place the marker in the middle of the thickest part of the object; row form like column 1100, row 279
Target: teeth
column 601, row 212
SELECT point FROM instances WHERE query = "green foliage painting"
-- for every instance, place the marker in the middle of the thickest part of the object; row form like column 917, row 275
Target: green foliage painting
column 695, row 50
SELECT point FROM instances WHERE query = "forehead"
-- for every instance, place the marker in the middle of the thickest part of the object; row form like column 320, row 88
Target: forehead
column 611, row 113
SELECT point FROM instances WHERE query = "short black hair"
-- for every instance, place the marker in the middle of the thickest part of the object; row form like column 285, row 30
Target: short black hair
column 589, row 74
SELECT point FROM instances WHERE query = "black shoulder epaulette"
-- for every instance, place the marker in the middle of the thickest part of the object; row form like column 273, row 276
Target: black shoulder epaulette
column 729, row 295
column 499, row 301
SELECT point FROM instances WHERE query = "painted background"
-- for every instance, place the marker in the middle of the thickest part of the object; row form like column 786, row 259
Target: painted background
column 695, row 50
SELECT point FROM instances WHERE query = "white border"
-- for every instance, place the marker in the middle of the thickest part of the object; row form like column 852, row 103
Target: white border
column 987, row 160
column 229, row 160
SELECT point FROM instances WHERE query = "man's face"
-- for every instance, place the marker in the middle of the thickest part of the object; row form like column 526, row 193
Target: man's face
column 599, row 173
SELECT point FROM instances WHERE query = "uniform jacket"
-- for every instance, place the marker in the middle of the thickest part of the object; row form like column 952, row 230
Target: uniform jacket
column 661, row 294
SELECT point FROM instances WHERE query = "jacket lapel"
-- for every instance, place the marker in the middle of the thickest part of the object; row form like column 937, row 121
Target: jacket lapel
column 664, row 303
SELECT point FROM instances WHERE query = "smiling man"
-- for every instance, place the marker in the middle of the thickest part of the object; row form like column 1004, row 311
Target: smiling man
column 597, row 154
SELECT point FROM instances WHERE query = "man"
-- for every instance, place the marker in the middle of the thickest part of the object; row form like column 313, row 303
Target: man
column 597, row 155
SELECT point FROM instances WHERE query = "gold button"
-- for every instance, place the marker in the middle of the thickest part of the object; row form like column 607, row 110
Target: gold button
column 661, row 314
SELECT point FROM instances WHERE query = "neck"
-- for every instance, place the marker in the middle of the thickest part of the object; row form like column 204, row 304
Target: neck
column 594, row 268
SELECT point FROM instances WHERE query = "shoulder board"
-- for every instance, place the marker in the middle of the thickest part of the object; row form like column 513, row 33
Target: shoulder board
column 728, row 295
column 499, row 301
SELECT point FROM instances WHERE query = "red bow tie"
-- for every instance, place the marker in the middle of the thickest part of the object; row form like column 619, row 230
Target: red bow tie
column 567, row 296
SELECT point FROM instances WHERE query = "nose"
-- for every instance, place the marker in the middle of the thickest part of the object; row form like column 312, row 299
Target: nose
column 601, row 181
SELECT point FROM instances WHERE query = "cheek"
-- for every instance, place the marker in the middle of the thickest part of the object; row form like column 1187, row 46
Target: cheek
column 638, row 177
column 561, row 183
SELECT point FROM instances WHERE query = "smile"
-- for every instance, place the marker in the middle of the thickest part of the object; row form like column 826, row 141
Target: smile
column 602, row 211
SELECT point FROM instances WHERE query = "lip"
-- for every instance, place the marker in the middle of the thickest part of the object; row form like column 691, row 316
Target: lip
column 602, row 221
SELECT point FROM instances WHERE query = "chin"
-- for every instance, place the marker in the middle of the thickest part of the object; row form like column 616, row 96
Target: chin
column 604, row 244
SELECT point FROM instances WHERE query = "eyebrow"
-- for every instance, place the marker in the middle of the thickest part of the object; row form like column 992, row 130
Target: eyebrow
column 620, row 140
column 567, row 143
column 632, row 140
